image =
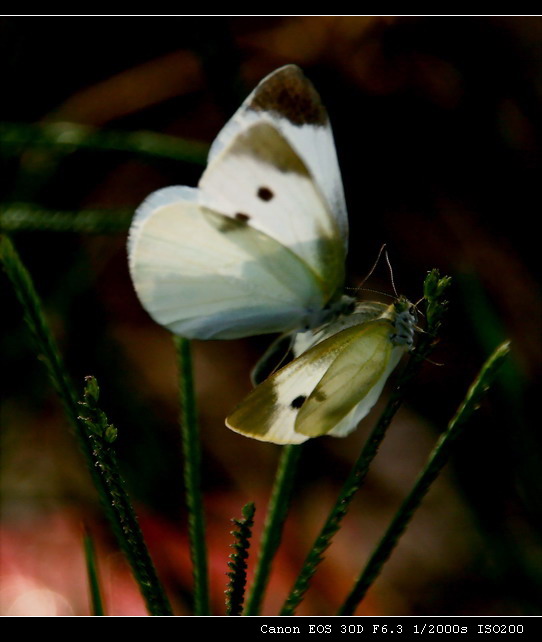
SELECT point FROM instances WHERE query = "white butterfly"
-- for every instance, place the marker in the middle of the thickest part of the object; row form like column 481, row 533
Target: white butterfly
column 260, row 247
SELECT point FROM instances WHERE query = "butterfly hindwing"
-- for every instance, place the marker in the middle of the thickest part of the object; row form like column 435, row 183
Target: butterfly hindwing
column 204, row 275
column 270, row 410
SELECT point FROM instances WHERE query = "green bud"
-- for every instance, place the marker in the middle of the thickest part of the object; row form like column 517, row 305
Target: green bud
column 95, row 429
column 92, row 390
column 110, row 433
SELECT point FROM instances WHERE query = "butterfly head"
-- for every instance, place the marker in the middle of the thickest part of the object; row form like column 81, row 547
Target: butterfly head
column 404, row 321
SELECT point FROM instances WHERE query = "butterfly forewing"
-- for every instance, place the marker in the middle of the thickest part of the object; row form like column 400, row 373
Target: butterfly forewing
column 270, row 410
column 288, row 100
column 259, row 179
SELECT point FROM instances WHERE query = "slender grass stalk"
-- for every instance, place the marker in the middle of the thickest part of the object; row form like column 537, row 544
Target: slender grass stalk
column 69, row 137
column 101, row 435
column 92, row 574
column 96, row 447
column 17, row 217
column 272, row 532
column 192, row 476
column 434, row 288
column 435, row 463
column 235, row 593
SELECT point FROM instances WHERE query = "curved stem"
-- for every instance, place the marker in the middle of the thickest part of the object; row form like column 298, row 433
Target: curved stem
column 100, row 457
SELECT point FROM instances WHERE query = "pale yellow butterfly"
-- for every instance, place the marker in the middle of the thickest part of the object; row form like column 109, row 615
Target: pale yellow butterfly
column 334, row 382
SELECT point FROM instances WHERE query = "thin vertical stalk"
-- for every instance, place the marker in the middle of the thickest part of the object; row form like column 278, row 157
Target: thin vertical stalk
column 435, row 463
column 272, row 533
column 192, row 475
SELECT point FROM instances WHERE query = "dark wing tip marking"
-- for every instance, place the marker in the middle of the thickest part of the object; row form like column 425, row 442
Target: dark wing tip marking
column 291, row 95
column 298, row 402
column 242, row 217
column 262, row 141
column 265, row 194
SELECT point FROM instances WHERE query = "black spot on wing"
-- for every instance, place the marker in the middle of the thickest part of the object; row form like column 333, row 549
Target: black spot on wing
column 298, row 402
column 291, row 95
column 265, row 194
column 242, row 217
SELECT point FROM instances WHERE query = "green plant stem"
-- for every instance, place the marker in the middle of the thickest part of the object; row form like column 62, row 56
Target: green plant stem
column 434, row 288
column 17, row 217
column 435, row 463
column 272, row 532
column 111, row 492
column 44, row 344
column 69, row 137
column 192, row 476
column 92, row 574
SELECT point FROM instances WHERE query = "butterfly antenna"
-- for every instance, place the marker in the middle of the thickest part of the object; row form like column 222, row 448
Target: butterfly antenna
column 391, row 271
column 373, row 268
column 371, row 290
column 418, row 311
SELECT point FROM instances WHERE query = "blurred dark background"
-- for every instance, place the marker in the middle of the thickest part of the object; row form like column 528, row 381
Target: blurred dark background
column 437, row 126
